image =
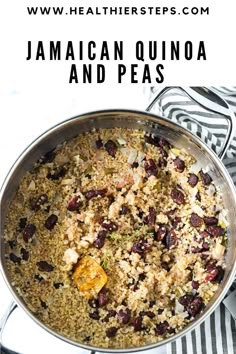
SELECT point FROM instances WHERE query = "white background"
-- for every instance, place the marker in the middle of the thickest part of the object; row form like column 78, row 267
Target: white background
column 36, row 95
column 216, row 29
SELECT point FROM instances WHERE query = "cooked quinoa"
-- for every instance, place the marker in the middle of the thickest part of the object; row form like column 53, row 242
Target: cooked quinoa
column 116, row 239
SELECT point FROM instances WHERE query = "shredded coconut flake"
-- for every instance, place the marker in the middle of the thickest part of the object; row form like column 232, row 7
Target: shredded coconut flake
column 70, row 256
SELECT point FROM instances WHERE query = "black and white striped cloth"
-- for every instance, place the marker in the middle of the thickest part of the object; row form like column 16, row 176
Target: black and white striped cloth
column 217, row 335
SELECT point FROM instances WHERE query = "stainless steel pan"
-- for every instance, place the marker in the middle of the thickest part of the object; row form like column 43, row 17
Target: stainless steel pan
column 179, row 137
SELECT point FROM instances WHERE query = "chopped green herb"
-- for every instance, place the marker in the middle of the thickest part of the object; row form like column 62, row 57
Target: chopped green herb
column 109, row 170
column 136, row 235
column 106, row 260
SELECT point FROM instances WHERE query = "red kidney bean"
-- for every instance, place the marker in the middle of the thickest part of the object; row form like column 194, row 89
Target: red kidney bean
column 156, row 140
column 196, row 220
column 93, row 303
column 36, row 203
column 171, row 239
column 179, row 164
column 103, row 297
column 186, row 299
column 14, row 258
column 204, row 234
column 44, row 266
column 192, row 180
column 22, row 223
column 162, row 328
column 138, row 323
column 150, row 219
column 206, row 178
column 28, row 232
column 150, row 168
column 210, row 220
column 211, row 265
column 161, row 232
column 111, row 148
column 24, row 254
column 195, row 284
column 100, row 240
column 140, row 247
column 93, row 193
column 195, row 306
column 219, row 277
column 215, row 274
column 111, row 332
column 51, row 222
column 177, row 196
column 205, row 246
column 162, row 162
column 211, row 275
column 163, row 142
column 109, row 225
column 124, row 316
column 74, row 204
column 215, row 231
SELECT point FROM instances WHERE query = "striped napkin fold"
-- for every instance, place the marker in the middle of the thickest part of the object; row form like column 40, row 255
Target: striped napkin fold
column 217, row 334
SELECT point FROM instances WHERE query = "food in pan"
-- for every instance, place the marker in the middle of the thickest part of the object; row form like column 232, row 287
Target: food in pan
column 116, row 238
